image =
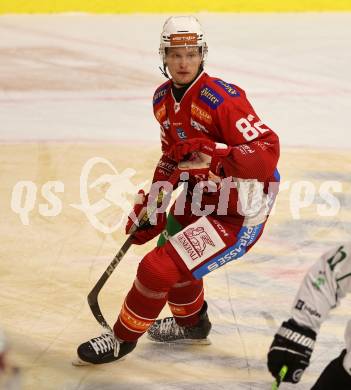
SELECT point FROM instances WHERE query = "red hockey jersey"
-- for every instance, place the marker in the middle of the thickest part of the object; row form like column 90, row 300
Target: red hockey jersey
column 214, row 109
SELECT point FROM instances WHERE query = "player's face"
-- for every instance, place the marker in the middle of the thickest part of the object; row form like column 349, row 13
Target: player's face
column 183, row 64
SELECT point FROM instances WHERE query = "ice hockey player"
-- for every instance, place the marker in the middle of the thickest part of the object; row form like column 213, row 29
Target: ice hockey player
column 10, row 378
column 3, row 348
column 328, row 281
column 202, row 119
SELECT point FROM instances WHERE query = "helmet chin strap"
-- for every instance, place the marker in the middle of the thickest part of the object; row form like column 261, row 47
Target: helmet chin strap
column 164, row 71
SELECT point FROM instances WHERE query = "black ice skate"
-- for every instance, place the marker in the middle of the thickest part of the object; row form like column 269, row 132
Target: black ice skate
column 168, row 331
column 103, row 349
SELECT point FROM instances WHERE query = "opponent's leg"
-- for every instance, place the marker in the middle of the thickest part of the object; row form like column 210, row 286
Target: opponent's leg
column 334, row 376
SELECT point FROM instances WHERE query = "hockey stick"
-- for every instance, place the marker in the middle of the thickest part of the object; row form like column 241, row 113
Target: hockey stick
column 94, row 293
column 280, row 378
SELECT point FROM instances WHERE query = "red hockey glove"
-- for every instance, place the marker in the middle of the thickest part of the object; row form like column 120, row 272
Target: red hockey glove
column 164, row 169
column 201, row 157
column 194, row 156
column 139, row 217
column 183, row 150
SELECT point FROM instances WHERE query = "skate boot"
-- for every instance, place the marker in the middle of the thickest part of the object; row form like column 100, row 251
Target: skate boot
column 103, row 349
column 168, row 331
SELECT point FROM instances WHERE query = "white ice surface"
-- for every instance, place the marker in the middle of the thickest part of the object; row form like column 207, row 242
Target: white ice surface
column 294, row 68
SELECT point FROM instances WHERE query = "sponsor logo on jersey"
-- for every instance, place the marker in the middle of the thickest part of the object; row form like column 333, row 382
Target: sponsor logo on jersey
column 246, row 237
column 263, row 145
column 134, row 322
column 245, row 149
column 301, row 305
column 197, row 243
column 229, row 88
column 201, row 114
column 160, row 94
column 198, row 126
column 179, row 310
column 211, row 97
column 160, row 113
column 166, row 166
column 194, row 241
column 185, row 39
column 166, row 124
column 181, row 133
column 220, row 228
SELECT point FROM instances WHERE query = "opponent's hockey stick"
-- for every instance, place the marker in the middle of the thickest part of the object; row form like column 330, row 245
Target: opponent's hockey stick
column 94, row 293
column 280, row 378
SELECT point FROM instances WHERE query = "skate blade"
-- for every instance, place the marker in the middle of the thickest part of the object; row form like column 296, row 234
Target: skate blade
column 77, row 362
column 183, row 341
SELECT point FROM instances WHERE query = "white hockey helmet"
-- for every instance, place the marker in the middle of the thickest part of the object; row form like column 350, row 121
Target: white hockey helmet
column 181, row 31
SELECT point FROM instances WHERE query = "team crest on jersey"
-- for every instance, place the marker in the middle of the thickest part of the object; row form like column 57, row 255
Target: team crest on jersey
column 160, row 94
column 229, row 88
column 201, row 114
column 181, row 133
column 211, row 97
column 160, row 113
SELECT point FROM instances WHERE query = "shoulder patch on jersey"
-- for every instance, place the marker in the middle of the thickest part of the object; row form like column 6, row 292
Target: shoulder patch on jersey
column 210, row 97
column 160, row 113
column 229, row 88
column 160, row 93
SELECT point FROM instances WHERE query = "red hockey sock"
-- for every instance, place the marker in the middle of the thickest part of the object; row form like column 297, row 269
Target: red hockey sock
column 185, row 300
column 156, row 274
